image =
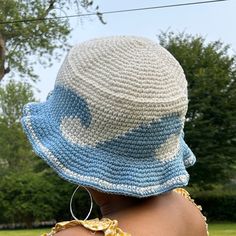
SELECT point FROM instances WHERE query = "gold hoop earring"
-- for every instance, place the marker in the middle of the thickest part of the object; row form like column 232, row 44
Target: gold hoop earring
column 71, row 200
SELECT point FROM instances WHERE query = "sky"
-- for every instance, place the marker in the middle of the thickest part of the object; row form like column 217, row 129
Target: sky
column 213, row 21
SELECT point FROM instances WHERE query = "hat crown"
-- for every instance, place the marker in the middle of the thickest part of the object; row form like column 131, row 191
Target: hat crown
column 128, row 67
column 125, row 81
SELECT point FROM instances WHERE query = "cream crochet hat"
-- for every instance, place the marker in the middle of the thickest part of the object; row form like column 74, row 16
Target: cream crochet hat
column 115, row 118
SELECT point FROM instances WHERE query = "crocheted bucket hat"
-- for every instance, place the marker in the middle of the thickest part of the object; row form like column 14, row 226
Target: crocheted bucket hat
column 114, row 121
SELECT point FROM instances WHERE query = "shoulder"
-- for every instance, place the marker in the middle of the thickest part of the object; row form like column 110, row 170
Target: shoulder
column 188, row 214
column 77, row 231
column 169, row 214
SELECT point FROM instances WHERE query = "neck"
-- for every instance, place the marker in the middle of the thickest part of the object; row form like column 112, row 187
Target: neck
column 110, row 203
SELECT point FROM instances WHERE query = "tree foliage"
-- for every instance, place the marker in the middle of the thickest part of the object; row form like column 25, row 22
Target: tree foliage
column 12, row 98
column 211, row 119
column 23, row 44
column 15, row 151
column 28, row 193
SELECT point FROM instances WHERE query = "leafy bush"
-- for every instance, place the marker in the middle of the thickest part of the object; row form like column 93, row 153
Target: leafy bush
column 217, row 205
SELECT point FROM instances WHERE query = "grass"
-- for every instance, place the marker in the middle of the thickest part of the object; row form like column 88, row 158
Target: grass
column 214, row 229
column 23, row 232
column 221, row 229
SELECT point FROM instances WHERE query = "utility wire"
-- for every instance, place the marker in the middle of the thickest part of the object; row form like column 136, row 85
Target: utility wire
column 112, row 12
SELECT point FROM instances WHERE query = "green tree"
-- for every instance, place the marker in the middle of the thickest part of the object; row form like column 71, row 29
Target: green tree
column 23, row 44
column 26, row 198
column 211, row 119
column 15, row 150
column 13, row 97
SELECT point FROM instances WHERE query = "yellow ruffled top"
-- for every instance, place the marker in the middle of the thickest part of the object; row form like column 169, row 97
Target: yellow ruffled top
column 107, row 226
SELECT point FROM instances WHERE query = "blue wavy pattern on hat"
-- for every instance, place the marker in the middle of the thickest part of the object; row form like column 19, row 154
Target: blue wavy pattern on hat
column 62, row 99
column 143, row 141
column 132, row 144
column 111, row 161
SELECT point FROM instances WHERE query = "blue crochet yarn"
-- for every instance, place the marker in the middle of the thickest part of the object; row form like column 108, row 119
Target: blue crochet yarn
column 81, row 110
column 111, row 161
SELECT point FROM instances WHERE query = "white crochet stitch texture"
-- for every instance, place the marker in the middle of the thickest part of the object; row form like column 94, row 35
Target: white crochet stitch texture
column 125, row 80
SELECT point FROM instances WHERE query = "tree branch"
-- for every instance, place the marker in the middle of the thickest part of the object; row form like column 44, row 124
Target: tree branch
column 3, row 70
column 50, row 7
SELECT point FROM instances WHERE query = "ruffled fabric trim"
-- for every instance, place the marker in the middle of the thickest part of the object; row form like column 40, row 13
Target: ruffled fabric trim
column 108, row 226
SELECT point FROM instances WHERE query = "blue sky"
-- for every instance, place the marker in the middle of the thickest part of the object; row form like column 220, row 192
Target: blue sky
column 213, row 21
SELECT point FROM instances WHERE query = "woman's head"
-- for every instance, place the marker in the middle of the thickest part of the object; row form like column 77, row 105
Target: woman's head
column 114, row 121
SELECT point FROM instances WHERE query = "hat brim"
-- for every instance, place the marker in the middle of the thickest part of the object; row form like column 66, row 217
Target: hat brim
column 98, row 168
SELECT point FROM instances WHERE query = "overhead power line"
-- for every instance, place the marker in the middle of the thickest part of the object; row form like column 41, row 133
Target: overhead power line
column 112, row 12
